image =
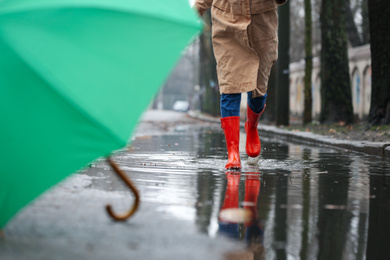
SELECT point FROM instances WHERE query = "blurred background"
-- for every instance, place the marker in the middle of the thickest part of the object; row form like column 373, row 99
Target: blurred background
column 342, row 90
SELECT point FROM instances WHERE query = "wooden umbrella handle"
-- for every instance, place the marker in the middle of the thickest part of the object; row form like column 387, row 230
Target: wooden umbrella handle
column 122, row 175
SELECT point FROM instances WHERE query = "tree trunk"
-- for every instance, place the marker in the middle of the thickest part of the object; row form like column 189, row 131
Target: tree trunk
column 308, row 64
column 365, row 23
column 336, row 94
column 208, row 72
column 352, row 31
column 271, row 100
column 282, row 67
column 379, row 11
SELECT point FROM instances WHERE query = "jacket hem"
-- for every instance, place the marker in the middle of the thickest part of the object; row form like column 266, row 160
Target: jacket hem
column 237, row 88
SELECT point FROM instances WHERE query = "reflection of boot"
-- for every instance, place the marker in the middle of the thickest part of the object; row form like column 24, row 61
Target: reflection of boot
column 252, row 189
column 253, row 234
column 231, row 194
column 253, row 144
column 231, row 129
column 226, row 227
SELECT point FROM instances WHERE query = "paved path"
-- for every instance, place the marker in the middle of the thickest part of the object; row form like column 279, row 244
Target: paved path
column 70, row 222
column 373, row 148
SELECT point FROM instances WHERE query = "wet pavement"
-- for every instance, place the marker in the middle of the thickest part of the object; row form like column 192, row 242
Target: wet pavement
column 300, row 201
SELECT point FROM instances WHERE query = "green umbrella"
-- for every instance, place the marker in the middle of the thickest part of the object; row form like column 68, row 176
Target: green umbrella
column 75, row 75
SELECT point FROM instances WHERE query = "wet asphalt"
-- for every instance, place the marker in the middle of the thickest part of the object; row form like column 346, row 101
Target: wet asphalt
column 299, row 201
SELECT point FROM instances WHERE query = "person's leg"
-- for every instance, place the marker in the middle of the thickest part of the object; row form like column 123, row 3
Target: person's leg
column 230, row 123
column 256, row 104
column 230, row 105
column 255, row 109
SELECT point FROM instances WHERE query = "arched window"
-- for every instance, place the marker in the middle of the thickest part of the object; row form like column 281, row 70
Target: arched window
column 366, row 91
column 357, row 94
column 316, row 95
column 293, row 90
column 300, row 96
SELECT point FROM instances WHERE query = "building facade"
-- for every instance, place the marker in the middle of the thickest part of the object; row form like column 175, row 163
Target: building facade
column 360, row 75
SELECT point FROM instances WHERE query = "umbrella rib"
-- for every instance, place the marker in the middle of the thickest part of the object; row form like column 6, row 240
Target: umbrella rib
column 62, row 94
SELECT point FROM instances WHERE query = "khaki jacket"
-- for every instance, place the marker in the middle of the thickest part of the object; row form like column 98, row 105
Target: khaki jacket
column 245, row 42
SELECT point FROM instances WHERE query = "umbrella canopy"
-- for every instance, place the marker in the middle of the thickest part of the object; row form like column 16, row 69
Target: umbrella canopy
column 75, row 75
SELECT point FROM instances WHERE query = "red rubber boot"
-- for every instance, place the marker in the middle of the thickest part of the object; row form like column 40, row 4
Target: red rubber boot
column 231, row 128
column 253, row 144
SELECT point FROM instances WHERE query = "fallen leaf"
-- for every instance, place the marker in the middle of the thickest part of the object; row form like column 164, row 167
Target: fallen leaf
column 341, row 123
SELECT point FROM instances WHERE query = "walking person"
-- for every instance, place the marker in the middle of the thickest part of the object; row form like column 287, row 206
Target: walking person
column 245, row 43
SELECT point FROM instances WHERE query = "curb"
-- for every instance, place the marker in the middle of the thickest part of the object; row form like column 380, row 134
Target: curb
column 372, row 148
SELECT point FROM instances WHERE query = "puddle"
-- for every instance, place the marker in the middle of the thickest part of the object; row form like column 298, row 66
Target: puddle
column 299, row 202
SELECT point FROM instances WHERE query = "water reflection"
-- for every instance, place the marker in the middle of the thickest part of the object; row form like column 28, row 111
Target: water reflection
column 378, row 240
column 232, row 216
column 313, row 203
column 307, row 203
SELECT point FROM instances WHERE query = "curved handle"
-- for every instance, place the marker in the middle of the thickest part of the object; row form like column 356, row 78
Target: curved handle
column 123, row 176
